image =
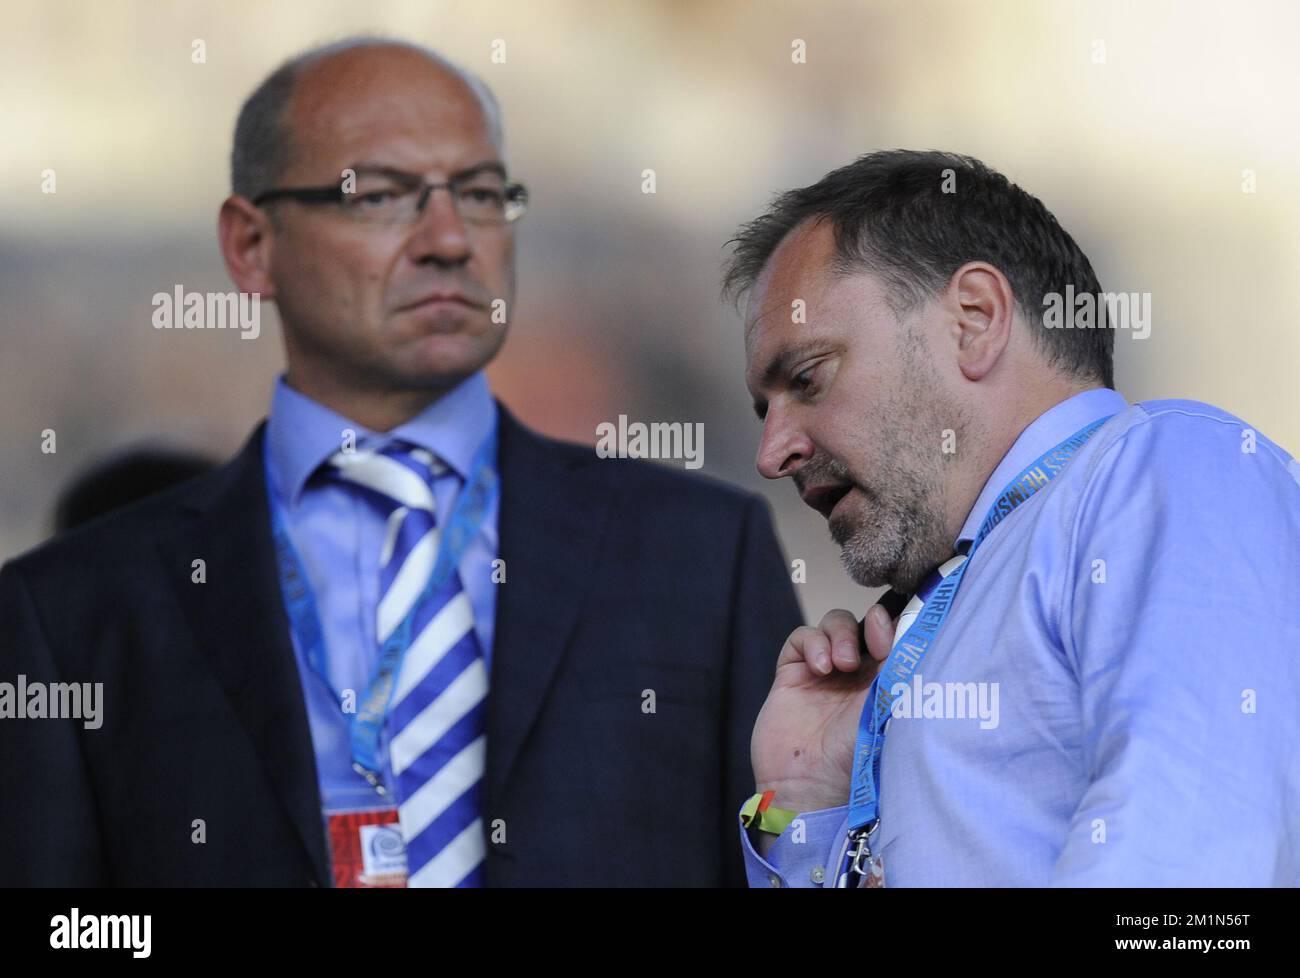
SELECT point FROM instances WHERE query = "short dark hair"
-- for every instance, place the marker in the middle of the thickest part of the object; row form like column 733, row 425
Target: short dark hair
column 900, row 214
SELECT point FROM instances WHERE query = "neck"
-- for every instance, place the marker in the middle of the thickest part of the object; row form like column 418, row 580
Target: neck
column 999, row 438
column 378, row 409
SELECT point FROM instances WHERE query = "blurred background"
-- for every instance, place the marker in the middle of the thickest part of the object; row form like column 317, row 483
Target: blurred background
column 1134, row 122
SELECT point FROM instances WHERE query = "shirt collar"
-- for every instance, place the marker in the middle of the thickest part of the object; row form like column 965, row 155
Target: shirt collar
column 302, row 433
column 1049, row 429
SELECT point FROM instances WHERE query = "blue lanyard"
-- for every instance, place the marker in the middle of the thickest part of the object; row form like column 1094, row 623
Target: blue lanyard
column 467, row 517
column 908, row 652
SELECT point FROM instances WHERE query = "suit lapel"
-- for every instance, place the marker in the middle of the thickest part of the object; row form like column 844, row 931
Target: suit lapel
column 552, row 511
column 239, row 622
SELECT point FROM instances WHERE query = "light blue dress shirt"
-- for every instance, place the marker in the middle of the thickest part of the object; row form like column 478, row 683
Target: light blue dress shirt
column 1141, row 619
column 339, row 537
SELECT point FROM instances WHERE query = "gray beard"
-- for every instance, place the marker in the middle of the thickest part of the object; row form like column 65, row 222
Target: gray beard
column 898, row 544
column 903, row 534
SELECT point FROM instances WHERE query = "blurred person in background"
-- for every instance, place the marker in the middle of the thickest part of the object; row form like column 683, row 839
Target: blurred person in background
column 124, row 477
column 399, row 638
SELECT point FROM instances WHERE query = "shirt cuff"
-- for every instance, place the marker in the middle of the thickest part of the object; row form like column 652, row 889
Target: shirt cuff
column 803, row 855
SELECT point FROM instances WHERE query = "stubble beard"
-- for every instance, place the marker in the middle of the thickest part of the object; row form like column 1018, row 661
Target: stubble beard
column 897, row 531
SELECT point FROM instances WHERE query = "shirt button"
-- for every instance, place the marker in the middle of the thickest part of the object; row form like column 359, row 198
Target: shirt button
column 774, row 882
column 818, row 875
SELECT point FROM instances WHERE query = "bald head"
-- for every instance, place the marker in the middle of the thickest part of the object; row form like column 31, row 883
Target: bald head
column 329, row 90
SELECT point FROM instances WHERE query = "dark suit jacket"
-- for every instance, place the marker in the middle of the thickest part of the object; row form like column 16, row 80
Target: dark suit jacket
column 620, row 577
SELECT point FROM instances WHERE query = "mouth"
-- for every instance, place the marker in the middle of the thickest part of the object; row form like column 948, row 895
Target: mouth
column 439, row 300
column 825, row 498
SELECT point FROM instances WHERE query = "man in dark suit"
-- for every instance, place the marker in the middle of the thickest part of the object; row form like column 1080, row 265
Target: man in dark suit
column 568, row 700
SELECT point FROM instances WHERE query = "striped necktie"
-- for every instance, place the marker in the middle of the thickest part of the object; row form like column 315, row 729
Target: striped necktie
column 436, row 721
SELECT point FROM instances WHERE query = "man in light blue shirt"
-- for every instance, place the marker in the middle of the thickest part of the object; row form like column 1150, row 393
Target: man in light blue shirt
column 399, row 638
column 1110, row 699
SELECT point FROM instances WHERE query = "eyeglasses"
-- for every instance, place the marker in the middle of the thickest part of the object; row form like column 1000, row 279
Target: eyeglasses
column 391, row 197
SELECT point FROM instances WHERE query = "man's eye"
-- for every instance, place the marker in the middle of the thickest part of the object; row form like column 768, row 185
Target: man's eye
column 377, row 199
column 804, row 378
column 483, row 195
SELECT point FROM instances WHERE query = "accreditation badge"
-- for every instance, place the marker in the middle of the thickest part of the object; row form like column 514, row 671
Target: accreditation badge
column 876, row 873
column 366, row 849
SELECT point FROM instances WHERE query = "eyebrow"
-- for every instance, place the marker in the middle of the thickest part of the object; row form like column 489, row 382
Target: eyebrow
column 383, row 169
column 779, row 365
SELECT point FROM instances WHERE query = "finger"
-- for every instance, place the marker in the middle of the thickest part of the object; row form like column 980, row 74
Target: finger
column 879, row 629
column 841, row 630
column 809, row 645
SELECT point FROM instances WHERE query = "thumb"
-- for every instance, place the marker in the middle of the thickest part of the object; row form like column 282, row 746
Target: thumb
column 879, row 630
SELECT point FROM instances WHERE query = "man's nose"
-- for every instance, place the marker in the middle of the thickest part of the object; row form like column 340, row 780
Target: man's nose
column 440, row 234
column 783, row 447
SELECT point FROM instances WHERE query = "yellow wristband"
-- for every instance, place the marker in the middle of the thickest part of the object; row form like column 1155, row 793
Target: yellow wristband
column 757, row 812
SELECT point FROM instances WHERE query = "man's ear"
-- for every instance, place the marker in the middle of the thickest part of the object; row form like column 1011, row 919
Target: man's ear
column 244, row 234
column 983, row 305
